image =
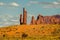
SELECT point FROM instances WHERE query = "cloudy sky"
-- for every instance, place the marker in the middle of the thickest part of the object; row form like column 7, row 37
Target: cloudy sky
column 11, row 9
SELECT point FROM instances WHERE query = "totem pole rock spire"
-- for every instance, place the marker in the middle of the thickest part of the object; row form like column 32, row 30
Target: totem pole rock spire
column 21, row 19
column 33, row 20
column 24, row 16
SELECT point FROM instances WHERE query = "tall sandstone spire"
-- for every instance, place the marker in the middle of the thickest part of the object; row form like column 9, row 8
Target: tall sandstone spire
column 24, row 16
column 32, row 21
column 21, row 19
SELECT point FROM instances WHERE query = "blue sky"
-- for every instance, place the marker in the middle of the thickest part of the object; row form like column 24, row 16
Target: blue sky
column 11, row 9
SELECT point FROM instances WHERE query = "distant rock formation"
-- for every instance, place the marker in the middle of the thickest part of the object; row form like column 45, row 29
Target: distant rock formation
column 47, row 19
column 55, row 19
column 24, row 19
column 21, row 19
column 33, row 20
column 24, row 16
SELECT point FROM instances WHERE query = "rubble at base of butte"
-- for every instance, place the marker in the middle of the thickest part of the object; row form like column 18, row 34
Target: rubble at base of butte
column 54, row 19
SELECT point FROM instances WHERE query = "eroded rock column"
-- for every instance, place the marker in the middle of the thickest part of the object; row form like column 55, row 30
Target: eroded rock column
column 24, row 16
column 32, row 20
column 21, row 19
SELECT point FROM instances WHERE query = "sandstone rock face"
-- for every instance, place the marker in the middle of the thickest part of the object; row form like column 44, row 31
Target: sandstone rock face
column 21, row 19
column 55, row 19
column 33, row 20
column 24, row 19
column 39, row 19
column 48, row 19
column 24, row 16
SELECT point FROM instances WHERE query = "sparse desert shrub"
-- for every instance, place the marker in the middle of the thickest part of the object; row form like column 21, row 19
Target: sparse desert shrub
column 56, row 32
column 4, row 35
column 42, row 28
column 17, row 32
column 9, row 30
column 38, row 31
column 33, row 28
column 58, row 37
column 59, row 29
column 24, row 35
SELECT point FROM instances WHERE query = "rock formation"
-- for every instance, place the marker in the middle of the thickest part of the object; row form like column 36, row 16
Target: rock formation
column 33, row 20
column 40, row 19
column 24, row 16
column 55, row 19
column 21, row 19
column 47, row 19
column 24, row 19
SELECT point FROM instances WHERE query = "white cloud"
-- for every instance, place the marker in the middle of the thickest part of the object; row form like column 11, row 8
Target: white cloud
column 1, row 3
column 14, row 20
column 56, row 3
column 52, row 5
column 6, row 23
column 32, row 2
column 6, row 20
column 14, row 4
